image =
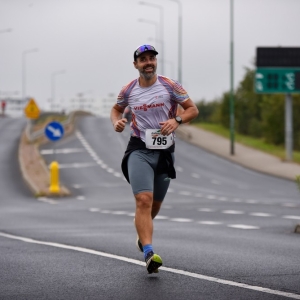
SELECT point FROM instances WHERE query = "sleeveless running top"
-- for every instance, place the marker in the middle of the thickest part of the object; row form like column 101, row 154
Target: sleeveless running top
column 151, row 105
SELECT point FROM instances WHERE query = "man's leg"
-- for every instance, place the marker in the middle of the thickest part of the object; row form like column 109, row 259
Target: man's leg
column 155, row 208
column 143, row 218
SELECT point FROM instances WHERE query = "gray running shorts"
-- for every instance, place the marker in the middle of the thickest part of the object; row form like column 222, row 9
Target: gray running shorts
column 141, row 171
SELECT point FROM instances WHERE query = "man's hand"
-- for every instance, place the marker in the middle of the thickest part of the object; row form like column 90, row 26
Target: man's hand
column 168, row 126
column 120, row 125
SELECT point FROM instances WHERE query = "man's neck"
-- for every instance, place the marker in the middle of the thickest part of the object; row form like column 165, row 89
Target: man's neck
column 146, row 83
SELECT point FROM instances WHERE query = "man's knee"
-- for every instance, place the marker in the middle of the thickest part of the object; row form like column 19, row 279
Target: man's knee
column 144, row 200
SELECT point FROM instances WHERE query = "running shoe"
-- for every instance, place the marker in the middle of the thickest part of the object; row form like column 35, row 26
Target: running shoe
column 153, row 262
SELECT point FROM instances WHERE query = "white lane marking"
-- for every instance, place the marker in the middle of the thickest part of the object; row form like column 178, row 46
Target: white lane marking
column 61, row 151
column 81, row 198
column 94, row 155
column 131, row 214
column 258, row 214
column 170, row 190
column 46, row 200
column 139, row 263
column 106, row 211
column 94, row 209
column 211, row 197
column 119, row 212
column 161, row 218
column 242, row 226
column 185, row 193
column 77, row 165
column 179, row 169
column 292, row 217
column 233, row 212
column 183, row 220
column 205, row 209
column 195, row 175
column 209, row 223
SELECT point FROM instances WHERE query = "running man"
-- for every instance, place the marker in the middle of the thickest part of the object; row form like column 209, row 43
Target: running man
column 148, row 162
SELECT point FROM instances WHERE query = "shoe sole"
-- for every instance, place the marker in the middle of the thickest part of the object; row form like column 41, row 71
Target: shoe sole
column 153, row 264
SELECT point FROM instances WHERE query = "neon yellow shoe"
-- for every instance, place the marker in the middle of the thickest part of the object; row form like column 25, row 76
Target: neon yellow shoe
column 153, row 262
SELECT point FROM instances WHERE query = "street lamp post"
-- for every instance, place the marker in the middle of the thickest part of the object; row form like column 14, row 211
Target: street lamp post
column 24, row 70
column 53, row 75
column 231, row 81
column 150, row 22
column 6, row 30
column 179, row 40
column 161, row 31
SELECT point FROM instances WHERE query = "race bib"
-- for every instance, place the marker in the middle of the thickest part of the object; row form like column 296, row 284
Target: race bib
column 155, row 140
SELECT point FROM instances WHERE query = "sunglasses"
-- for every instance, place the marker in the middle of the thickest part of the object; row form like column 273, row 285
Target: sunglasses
column 144, row 48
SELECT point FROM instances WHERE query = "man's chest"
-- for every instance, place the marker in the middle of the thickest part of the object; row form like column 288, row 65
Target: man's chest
column 149, row 100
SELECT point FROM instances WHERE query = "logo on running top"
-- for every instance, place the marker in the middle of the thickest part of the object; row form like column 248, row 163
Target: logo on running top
column 145, row 107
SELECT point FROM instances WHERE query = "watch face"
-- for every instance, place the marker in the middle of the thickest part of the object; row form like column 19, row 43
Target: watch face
column 178, row 119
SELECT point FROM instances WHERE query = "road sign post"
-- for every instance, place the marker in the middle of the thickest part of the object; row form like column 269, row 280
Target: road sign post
column 54, row 131
column 278, row 71
column 31, row 110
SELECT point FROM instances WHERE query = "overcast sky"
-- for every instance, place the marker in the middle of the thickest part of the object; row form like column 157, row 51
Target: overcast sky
column 94, row 41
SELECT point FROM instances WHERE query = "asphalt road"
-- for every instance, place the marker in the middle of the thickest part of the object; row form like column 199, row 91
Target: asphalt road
column 224, row 232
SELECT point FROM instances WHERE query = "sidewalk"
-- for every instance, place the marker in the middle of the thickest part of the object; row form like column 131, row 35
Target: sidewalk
column 245, row 156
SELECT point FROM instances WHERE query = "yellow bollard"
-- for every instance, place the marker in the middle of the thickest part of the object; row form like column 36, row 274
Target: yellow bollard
column 54, row 177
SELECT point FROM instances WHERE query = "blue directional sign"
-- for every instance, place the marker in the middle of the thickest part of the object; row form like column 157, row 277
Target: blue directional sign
column 54, row 131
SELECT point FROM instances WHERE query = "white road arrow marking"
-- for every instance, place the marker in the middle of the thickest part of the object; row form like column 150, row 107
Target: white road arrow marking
column 56, row 132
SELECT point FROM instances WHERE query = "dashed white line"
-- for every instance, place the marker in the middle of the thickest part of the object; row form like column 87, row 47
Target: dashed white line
column 77, row 165
column 209, row 223
column 61, row 151
column 195, row 175
column 182, row 220
column 119, row 212
column 161, row 218
column 233, row 212
column 94, row 209
column 261, row 214
column 47, row 200
column 242, row 226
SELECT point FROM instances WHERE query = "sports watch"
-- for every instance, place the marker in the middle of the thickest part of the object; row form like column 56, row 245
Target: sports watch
column 178, row 119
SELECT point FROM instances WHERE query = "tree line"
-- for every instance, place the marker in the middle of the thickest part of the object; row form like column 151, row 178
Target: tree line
column 256, row 115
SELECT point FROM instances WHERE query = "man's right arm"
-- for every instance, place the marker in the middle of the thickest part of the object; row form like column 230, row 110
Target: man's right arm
column 116, row 118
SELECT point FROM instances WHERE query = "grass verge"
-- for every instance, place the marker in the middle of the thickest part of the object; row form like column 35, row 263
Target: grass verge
column 255, row 143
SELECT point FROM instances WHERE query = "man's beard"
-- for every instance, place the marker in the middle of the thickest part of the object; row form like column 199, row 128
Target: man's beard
column 147, row 75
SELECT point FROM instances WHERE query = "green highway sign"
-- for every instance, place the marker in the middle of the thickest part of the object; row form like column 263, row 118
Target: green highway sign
column 277, row 80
